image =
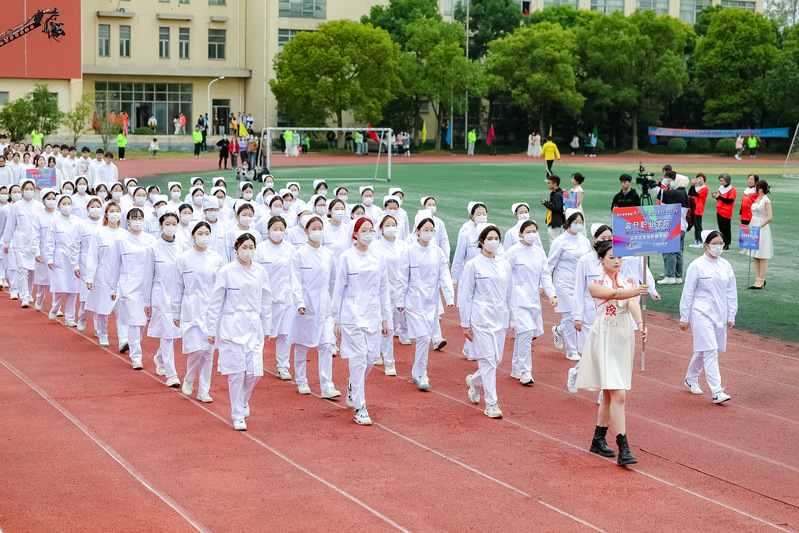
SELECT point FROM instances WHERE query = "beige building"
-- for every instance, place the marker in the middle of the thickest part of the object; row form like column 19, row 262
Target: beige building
column 159, row 58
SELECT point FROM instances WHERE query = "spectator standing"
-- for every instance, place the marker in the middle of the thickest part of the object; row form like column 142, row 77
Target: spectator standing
column 122, row 142
column 751, row 142
column 234, row 152
column 748, row 198
column 152, row 123
column 627, row 197
column 176, row 124
column 698, row 192
column 761, row 218
column 198, row 140
column 243, row 151
column 224, row 150
column 252, row 150
column 555, row 215
column 348, row 141
column 550, row 153
column 472, row 138
column 182, row 124
column 575, row 144
column 331, row 140
column 739, row 148
column 725, row 200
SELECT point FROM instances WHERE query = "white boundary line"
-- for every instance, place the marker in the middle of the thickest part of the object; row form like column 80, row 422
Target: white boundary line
column 106, row 448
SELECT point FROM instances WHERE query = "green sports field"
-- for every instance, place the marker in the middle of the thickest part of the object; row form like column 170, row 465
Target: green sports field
column 771, row 312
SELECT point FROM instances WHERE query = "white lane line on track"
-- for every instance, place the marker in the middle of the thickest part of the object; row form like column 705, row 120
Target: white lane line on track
column 106, row 448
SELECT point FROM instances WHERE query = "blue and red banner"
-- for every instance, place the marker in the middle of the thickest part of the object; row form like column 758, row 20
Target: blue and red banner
column 646, row 230
column 569, row 200
column 42, row 177
column 676, row 132
column 749, row 238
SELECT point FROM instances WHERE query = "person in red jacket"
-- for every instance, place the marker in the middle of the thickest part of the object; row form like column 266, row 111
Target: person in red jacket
column 698, row 192
column 749, row 197
column 725, row 200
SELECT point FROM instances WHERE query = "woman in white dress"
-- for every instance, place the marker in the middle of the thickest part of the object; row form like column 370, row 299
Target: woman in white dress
column 360, row 312
column 421, row 272
column 403, row 222
column 337, row 238
column 87, row 228
column 313, row 271
column 531, row 145
column 529, row 266
column 196, row 271
column 80, row 200
column 197, row 196
column 564, row 253
column 175, row 190
column 521, row 211
column 186, row 220
column 486, row 305
column 708, row 305
column 20, row 242
column 441, row 239
column 41, row 274
column 371, row 211
column 391, row 248
column 391, row 207
column 117, row 192
column 239, row 321
column 61, row 255
column 761, row 217
column 245, row 213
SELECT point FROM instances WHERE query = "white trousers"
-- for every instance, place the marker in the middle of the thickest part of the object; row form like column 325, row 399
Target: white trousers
column 582, row 336
column 166, row 356
column 101, row 327
column 325, row 352
column 25, row 284
column 709, row 360
column 421, row 356
column 387, row 348
column 134, row 342
column 554, row 233
column 437, row 331
column 13, row 280
column 200, row 363
column 486, row 376
column 361, row 347
column 240, row 386
column 283, row 351
column 568, row 332
column 68, row 300
column 41, row 294
column 522, row 351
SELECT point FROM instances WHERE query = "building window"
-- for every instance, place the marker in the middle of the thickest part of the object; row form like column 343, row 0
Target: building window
column 163, row 43
column 164, row 1
column 183, row 42
column 3, row 97
column 284, row 36
column 660, row 7
column 748, row 6
column 216, row 44
column 183, row 1
column 607, row 6
column 124, row 41
column 104, row 36
column 560, row 3
column 308, row 9
column 217, row 2
column 164, row 101
column 689, row 9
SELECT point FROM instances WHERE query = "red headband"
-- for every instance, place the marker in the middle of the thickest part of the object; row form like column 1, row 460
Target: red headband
column 358, row 223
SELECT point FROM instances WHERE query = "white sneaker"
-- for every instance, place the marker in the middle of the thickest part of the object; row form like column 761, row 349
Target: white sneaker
column 474, row 392
column 160, row 369
column 13, row 296
column 438, row 344
column 187, row 388
column 493, row 411
column 515, row 374
column 173, row 382
column 468, row 354
column 335, row 350
column 677, row 281
column 423, row 382
column 137, row 364
column 25, row 304
column 362, row 417
column 283, row 373
column 391, row 370
column 104, row 341
column 204, row 397
column 51, row 315
column 329, row 394
column 246, row 410
column 38, row 306
column 527, row 378
column 557, row 337
column 667, row 281
column 404, row 340
column 349, row 394
column 720, row 397
column 304, row 389
column 573, row 356
column 379, row 360
column 59, row 313
column 571, row 383
column 71, row 324
column 240, row 425
column 693, row 387
column 81, row 325
column 696, row 245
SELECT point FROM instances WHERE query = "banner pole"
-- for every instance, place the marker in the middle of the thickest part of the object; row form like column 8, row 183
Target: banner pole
column 643, row 315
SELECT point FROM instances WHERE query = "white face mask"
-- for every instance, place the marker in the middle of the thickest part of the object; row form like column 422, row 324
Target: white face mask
column 287, row 204
column 432, row 209
column 221, row 202
column 321, row 210
column 102, row 195
column 27, row 194
column 3, row 197
column 68, row 191
column 95, row 212
column 114, row 217
column 392, row 212
column 16, row 197
column 481, row 219
column 116, row 195
column 202, row 240
column 176, row 195
column 316, row 235
column 82, row 188
column 339, row 215
column 491, row 246
column 715, row 249
column 322, row 192
column 66, row 210
column 131, row 190
column 577, row 227
column 139, row 200
column 247, row 196
column 427, row 236
column 50, row 204
column 246, row 255
column 185, row 218
column 153, row 196
column 531, row 238
column 344, row 198
column 523, row 216
column 136, row 225
column 276, row 236
column 211, row 215
column 367, row 200
column 390, row 231
column 245, row 220
column 366, row 238
column 170, row 231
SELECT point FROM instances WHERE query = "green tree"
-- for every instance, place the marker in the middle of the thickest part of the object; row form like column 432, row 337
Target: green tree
column 36, row 110
column 536, row 65
column 562, row 14
column 731, row 65
column 784, row 12
column 395, row 17
column 15, row 118
column 77, row 120
column 704, row 17
column 488, row 20
column 344, row 65
column 779, row 90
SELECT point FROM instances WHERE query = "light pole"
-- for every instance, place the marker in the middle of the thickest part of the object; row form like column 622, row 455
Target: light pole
column 210, row 110
column 466, row 114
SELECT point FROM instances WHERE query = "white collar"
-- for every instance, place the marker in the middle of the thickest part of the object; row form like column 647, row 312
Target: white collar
column 724, row 189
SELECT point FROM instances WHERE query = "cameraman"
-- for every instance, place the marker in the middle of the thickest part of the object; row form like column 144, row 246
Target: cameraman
column 672, row 191
column 555, row 215
column 627, row 197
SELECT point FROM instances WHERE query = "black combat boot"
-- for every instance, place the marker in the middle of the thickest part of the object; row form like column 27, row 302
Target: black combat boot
column 625, row 457
column 599, row 444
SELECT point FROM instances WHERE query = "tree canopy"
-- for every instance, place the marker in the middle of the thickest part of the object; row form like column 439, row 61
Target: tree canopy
column 488, row 20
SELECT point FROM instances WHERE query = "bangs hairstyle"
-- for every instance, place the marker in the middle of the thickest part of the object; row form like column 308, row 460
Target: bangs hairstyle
column 275, row 199
column 168, row 214
column 314, row 218
column 385, row 218
column 526, row 224
column 484, row 234
column 244, row 206
column 274, row 220
column 244, row 237
column 134, row 211
column 602, row 248
column 200, row 224
column 358, row 223
column 475, row 206
column 333, row 203
column 712, row 235
column 94, row 201
column 579, row 178
column 572, row 218
column 602, row 229
column 424, row 221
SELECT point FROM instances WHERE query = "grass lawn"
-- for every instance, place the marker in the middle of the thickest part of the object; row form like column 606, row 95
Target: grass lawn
column 770, row 312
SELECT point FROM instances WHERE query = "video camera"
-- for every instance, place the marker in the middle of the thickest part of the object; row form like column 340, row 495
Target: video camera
column 643, row 176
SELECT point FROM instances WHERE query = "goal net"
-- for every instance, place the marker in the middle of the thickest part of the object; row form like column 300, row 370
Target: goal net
column 791, row 167
column 382, row 150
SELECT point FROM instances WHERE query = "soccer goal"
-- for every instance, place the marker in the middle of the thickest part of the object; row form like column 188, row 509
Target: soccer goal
column 273, row 136
column 791, row 168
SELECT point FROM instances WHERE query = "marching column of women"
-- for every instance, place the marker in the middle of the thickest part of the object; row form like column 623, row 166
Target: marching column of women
column 233, row 275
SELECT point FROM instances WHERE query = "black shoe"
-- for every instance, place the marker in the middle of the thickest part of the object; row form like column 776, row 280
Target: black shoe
column 599, row 444
column 755, row 288
column 625, row 456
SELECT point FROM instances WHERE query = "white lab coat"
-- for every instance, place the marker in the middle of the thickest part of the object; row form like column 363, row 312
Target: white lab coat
column 512, row 236
column 465, row 250
column 313, row 275
column 391, row 252
column 62, row 250
column 21, row 234
column 80, row 203
column 239, row 316
column 296, row 236
column 420, row 273
column 564, row 253
column 361, row 295
column 7, row 176
column 194, row 282
column 276, row 260
column 131, row 260
column 162, row 291
column 100, row 270
column 528, row 264
column 41, row 274
column 218, row 244
column 588, row 269
column 338, row 238
column 87, row 228
column 709, row 300
column 373, row 213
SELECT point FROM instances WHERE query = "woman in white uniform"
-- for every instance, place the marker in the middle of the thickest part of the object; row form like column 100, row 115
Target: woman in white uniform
column 101, row 192
column 126, row 201
column 87, row 229
column 708, row 305
column 117, row 192
column 607, row 362
column 20, row 242
column 441, row 239
column 130, row 260
column 186, row 221
column 371, row 211
column 297, row 236
column 193, row 182
column 100, row 276
column 80, row 200
column 196, row 271
column 337, row 238
column 529, row 265
column 360, row 312
column 421, row 272
column 521, row 211
column 391, row 248
column 159, row 296
column 175, row 192
column 196, row 203
column 139, row 202
column 564, row 253
column 218, row 228
column 62, row 254
column 153, row 192
column 5, row 202
column 403, row 222
column 391, row 207
column 274, row 254
column 245, row 213
column 239, row 321
column 313, row 269
column 41, row 274
column 486, row 305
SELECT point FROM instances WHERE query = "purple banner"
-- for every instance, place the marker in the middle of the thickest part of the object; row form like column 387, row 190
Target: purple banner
column 749, row 238
column 42, row 177
column 646, row 230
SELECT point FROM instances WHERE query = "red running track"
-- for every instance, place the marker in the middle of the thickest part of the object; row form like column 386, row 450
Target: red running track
column 89, row 444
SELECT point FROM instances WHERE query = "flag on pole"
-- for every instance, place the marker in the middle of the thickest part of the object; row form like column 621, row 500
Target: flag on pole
column 596, row 134
column 490, row 136
column 449, row 136
column 243, row 130
column 424, row 132
column 372, row 134
column 550, row 130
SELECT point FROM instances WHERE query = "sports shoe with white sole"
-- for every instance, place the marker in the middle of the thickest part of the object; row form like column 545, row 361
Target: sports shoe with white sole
column 379, row 360
column 390, row 370
column 362, row 417
column 438, row 344
column 557, row 338
column 160, row 369
column 240, row 425
column 71, row 324
column 204, row 397
column 246, row 410
column 13, row 296
column 283, row 373
column 693, row 387
column 516, row 374
column 329, row 394
column 38, row 306
column 25, row 304
column 404, row 340
column 104, row 342
column 571, row 383
column 696, row 245
column 667, row 281
column 474, row 392
column 59, row 313
column 466, row 353
column 527, row 378
column 349, row 394
column 423, row 382
column 187, row 388
column 721, row 397
column 51, row 315
column 137, row 364
column 81, row 325
column 173, row 382
column 304, row 389
column 123, row 346
column 493, row 411
column 573, row 356
column 677, row 281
